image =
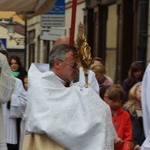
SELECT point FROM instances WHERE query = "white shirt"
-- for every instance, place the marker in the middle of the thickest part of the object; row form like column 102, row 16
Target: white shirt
column 17, row 108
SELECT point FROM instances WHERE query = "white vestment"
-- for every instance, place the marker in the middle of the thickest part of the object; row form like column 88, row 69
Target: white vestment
column 77, row 119
column 7, row 82
column 146, row 107
column 81, row 83
column 17, row 109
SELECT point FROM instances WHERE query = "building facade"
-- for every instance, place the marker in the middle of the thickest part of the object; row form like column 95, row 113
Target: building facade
column 37, row 49
column 117, row 31
column 14, row 45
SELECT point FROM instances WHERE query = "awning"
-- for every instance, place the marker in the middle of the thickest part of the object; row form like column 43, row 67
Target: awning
column 27, row 8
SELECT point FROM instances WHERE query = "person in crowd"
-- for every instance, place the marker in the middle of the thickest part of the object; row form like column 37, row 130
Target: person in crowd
column 133, row 106
column 102, row 95
column 17, row 67
column 25, row 82
column 120, row 118
column 145, row 107
column 22, row 132
column 100, row 61
column 63, row 117
column 97, row 61
column 135, row 75
column 100, row 71
column 7, row 83
column 103, row 91
column 12, row 110
column 18, row 72
column 62, row 40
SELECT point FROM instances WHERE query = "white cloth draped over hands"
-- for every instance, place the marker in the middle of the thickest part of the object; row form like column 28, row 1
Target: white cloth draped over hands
column 76, row 119
column 91, row 80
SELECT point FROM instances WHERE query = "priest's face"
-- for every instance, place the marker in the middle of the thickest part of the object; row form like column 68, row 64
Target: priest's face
column 67, row 68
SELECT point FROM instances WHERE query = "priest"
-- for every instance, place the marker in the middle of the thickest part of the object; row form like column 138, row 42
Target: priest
column 61, row 115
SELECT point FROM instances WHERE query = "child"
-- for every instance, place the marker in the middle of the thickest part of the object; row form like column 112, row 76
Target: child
column 103, row 91
column 121, row 119
column 25, row 82
column 133, row 106
column 22, row 126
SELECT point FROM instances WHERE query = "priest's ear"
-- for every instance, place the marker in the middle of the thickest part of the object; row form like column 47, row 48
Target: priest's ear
column 57, row 63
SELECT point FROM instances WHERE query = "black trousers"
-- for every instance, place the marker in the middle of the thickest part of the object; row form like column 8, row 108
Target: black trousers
column 15, row 146
column 12, row 146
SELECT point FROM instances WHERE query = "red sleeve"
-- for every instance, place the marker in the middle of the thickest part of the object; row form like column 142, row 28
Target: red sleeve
column 128, row 142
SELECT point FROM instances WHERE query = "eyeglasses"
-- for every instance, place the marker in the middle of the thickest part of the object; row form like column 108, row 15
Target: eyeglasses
column 74, row 65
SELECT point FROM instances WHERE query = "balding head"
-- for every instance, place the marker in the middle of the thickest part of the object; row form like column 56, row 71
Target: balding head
column 62, row 40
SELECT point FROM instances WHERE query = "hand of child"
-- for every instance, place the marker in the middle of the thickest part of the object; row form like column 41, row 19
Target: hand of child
column 118, row 141
column 137, row 147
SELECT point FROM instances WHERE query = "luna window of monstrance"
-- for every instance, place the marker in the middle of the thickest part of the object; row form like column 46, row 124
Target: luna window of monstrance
column 84, row 53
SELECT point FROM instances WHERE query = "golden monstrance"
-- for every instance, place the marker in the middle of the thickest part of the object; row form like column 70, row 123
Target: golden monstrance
column 84, row 52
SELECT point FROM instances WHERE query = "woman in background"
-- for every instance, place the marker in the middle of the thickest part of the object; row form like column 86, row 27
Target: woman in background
column 135, row 75
column 100, row 71
column 17, row 67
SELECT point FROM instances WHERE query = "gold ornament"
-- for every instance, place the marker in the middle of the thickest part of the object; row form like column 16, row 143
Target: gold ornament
column 84, row 53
